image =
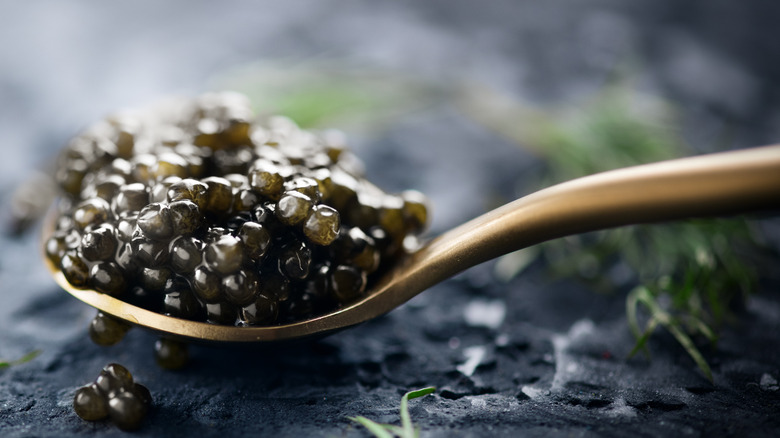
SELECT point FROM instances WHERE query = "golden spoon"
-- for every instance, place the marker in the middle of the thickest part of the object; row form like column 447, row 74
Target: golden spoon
column 717, row 184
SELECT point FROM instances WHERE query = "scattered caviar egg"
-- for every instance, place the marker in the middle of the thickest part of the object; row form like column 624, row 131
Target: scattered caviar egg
column 197, row 210
column 170, row 354
column 114, row 394
column 126, row 410
column 106, row 330
column 90, row 404
column 113, row 378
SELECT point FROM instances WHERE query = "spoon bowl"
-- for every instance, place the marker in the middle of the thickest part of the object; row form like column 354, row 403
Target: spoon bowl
column 725, row 183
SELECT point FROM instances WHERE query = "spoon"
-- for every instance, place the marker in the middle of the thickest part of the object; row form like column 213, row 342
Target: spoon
column 717, row 184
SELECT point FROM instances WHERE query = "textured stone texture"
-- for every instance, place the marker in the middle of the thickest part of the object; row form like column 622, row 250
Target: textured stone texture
column 534, row 356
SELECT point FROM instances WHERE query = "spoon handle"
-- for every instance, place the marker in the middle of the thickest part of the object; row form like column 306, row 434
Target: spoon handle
column 718, row 184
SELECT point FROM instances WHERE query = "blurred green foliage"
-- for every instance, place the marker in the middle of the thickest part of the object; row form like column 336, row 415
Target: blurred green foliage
column 687, row 277
column 320, row 94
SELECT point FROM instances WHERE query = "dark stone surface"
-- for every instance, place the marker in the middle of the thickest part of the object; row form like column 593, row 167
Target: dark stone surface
column 554, row 363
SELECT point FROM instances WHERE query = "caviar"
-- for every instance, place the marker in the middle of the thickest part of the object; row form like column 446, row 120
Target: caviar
column 197, row 211
column 113, row 395
column 170, row 354
column 106, row 330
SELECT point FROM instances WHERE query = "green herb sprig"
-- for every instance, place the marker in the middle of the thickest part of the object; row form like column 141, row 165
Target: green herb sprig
column 24, row 359
column 406, row 429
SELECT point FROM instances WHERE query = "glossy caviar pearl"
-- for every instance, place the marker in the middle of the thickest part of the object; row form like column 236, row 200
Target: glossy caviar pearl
column 99, row 244
column 125, row 259
column 106, row 330
column 293, row 208
column 256, row 239
column 131, row 198
column 322, row 225
column 90, row 404
column 240, row 288
column 359, row 249
column 181, row 303
column 263, row 310
column 126, row 410
column 114, row 378
column 219, row 195
column 125, row 228
column 295, row 260
column 266, row 180
column 91, row 212
column 347, row 283
column 189, row 189
column 307, row 186
column 185, row 217
column 148, row 252
column 55, row 248
column 225, row 255
column 107, row 278
column 75, row 270
column 170, row 354
column 185, row 253
column 154, row 279
column 206, row 284
column 265, row 215
column 155, row 221
column 368, row 259
column 237, row 181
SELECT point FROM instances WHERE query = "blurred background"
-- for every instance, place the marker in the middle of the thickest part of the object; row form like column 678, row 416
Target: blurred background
column 473, row 103
column 431, row 76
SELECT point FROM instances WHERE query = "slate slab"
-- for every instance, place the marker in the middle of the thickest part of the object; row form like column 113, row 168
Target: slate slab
column 534, row 356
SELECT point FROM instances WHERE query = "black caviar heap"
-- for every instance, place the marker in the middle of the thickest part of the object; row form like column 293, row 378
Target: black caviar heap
column 113, row 395
column 194, row 210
